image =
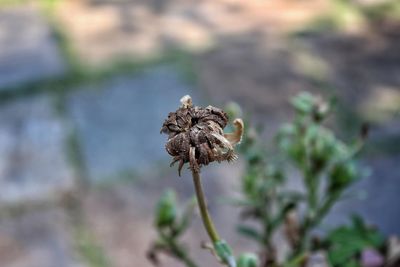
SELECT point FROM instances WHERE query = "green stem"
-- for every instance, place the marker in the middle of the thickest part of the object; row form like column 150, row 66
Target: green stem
column 221, row 248
column 310, row 223
column 312, row 183
column 207, row 221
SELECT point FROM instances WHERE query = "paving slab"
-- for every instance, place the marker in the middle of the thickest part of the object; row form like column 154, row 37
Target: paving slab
column 37, row 239
column 378, row 197
column 33, row 163
column 118, row 122
column 28, row 49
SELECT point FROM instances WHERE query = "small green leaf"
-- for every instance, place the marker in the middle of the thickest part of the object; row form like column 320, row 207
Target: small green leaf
column 247, row 260
column 250, row 232
column 304, row 102
column 224, row 252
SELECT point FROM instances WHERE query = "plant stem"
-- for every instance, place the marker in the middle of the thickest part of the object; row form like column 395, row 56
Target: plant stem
column 311, row 223
column 221, row 248
column 207, row 221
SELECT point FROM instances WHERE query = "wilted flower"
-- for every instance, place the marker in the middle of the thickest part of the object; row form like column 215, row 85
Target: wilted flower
column 195, row 135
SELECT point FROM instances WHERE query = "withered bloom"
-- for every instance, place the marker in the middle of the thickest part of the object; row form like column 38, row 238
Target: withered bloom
column 195, row 135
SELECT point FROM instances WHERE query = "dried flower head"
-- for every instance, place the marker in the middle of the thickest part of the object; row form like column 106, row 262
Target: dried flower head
column 195, row 135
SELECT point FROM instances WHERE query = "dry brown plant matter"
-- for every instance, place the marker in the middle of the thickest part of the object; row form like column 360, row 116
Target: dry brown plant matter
column 195, row 135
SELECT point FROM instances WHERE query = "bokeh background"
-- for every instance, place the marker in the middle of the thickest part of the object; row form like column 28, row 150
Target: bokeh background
column 86, row 84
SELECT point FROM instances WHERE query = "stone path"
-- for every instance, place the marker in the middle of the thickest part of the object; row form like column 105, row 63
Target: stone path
column 37, row 239
column 28, row 50
column 374, row 198
column 33, row 163
column 118, row 122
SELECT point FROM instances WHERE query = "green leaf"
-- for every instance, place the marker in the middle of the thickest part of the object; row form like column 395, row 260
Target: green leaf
column 346, row 242
column 224, row 252
column 248, row 260
column 250, row 232
column 237, row 202
column 303, row 102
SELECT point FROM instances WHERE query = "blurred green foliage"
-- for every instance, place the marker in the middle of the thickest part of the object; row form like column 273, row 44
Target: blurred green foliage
column 326, row 165
column 171, row 223
column 247, row 260
column 90, row 252
column 347, row 242
column 349, row 14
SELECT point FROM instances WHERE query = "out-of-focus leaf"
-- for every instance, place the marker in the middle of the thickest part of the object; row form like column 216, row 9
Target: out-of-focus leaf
column 304, row 102
column 247, row 260
column 250, row 232
column 238, row 202
column 346, row 242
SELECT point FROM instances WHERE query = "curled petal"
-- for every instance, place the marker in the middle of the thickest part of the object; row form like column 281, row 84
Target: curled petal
column 236, row 137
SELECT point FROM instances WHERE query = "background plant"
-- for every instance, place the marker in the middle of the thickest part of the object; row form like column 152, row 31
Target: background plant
column 304, row 149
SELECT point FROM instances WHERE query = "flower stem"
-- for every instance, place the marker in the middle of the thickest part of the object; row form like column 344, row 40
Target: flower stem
column 221, row 249
column 207, row 221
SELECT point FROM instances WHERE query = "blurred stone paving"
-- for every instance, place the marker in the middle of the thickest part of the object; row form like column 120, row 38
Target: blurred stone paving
column 116, row 121
column 34, row 170
column 37, row 238
column 28, row 49
column 33, row 165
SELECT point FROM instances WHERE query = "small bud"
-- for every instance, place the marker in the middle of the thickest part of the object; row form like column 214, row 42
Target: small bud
column 224, row 253
column 166, row 209
column 342, row 174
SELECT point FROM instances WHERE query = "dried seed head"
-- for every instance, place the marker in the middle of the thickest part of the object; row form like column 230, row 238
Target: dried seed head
column 195, row 135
